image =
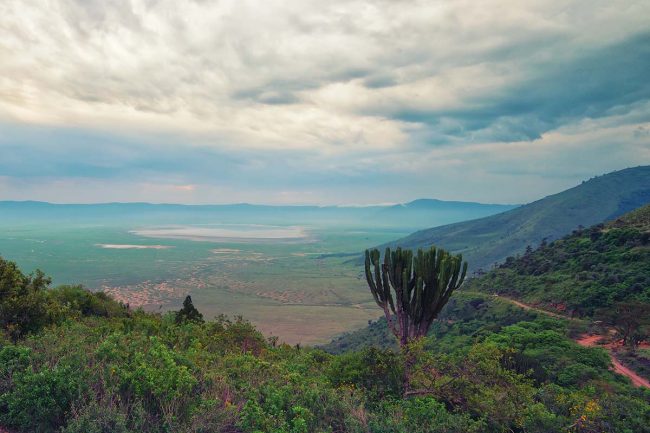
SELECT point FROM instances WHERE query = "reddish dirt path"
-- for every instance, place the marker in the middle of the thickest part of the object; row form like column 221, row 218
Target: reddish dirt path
column 592, row 340
column 539, row 310
column 588, row 341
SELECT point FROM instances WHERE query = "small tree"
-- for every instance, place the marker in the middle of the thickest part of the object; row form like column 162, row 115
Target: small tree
column 422, row 284
column 631, row 320
column 188, row 313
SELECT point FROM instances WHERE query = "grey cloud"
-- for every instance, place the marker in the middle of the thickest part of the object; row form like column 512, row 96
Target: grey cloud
column 596, row 83
column 340, row 96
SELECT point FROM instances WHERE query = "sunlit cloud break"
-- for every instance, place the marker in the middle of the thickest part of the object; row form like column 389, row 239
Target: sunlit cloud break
column 351, row 102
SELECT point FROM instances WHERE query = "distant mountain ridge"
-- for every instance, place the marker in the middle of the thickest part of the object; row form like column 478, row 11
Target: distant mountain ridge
column 491, row 239
column 421, row 203
column 415, row 214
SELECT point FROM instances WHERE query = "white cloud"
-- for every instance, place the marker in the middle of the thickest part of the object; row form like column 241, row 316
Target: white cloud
column 349, row 88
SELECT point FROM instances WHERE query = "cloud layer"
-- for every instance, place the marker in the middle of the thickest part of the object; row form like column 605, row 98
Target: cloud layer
column 318, row 102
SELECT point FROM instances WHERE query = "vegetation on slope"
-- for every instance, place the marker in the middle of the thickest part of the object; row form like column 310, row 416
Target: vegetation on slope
column 588, row 271
column 96, row 366
column 467, row 318
column 591, row 271
column 489, row 240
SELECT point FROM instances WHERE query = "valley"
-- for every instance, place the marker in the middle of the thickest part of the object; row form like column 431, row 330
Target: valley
column 551, row 338
column 289, row 287
column 288, row 269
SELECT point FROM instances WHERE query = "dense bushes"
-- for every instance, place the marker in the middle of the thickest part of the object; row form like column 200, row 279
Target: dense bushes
column 421, row 415
column 27, row 304
column 145, row 373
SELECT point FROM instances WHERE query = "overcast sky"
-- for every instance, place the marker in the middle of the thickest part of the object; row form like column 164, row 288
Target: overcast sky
column 346, row 102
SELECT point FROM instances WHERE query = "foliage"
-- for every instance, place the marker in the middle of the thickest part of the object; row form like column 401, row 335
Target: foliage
column 376, row 371
column 422, row 415
column 466, row 318
column 586, row 272
column 38, row 399
column 27, row 304
column 630, row 319
column 147, row 373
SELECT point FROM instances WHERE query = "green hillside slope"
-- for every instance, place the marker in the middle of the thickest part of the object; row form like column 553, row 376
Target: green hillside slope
column 583, row 273
column 589, row 270
column 491, row 239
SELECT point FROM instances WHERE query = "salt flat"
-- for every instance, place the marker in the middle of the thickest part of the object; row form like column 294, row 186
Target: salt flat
column 133, row 247
column 225, row 233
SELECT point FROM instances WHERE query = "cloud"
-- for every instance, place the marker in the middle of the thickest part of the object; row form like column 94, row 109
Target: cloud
column 343, row 101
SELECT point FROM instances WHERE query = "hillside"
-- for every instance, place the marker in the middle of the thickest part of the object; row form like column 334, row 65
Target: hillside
column 488, row 240
column 582, row 273
column 412, row 212
column 598, row 276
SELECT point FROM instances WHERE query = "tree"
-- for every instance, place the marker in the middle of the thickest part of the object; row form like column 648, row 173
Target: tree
column 422, row 285
column 631, row 320
column 188, row 313
column 22, row 300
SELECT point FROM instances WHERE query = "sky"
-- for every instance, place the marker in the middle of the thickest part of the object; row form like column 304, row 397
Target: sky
column 319, row 102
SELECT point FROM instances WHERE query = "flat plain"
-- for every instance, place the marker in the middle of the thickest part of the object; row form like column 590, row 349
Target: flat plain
column 297, row 283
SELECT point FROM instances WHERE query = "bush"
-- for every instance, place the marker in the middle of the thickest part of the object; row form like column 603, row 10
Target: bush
column 422, row 415
column 378, row 372
column 98, row 417
column 147, row 369
column 39, row 401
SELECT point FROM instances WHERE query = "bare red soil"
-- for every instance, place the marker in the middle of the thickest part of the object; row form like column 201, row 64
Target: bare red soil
column 592, row 340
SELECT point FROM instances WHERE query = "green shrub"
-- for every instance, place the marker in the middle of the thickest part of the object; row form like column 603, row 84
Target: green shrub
column 376, row 371
column 145, row 368
column 421, row 415
column 40, row 401
column 97, row 417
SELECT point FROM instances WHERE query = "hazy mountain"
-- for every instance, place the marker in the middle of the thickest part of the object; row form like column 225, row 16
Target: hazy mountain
column 491, row 239
column 416, row 214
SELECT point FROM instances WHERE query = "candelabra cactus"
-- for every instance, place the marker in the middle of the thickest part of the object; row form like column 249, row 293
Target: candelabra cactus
column 421, row 283
column 412, row 290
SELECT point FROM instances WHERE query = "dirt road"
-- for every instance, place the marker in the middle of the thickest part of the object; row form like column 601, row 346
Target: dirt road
column 538, row 310
column 588, row 341
column 592, row 340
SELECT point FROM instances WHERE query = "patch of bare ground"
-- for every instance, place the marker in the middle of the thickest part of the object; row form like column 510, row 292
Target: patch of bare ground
column 589, row 340
column 618, row 367
column 147, row 293
column 284, row 297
